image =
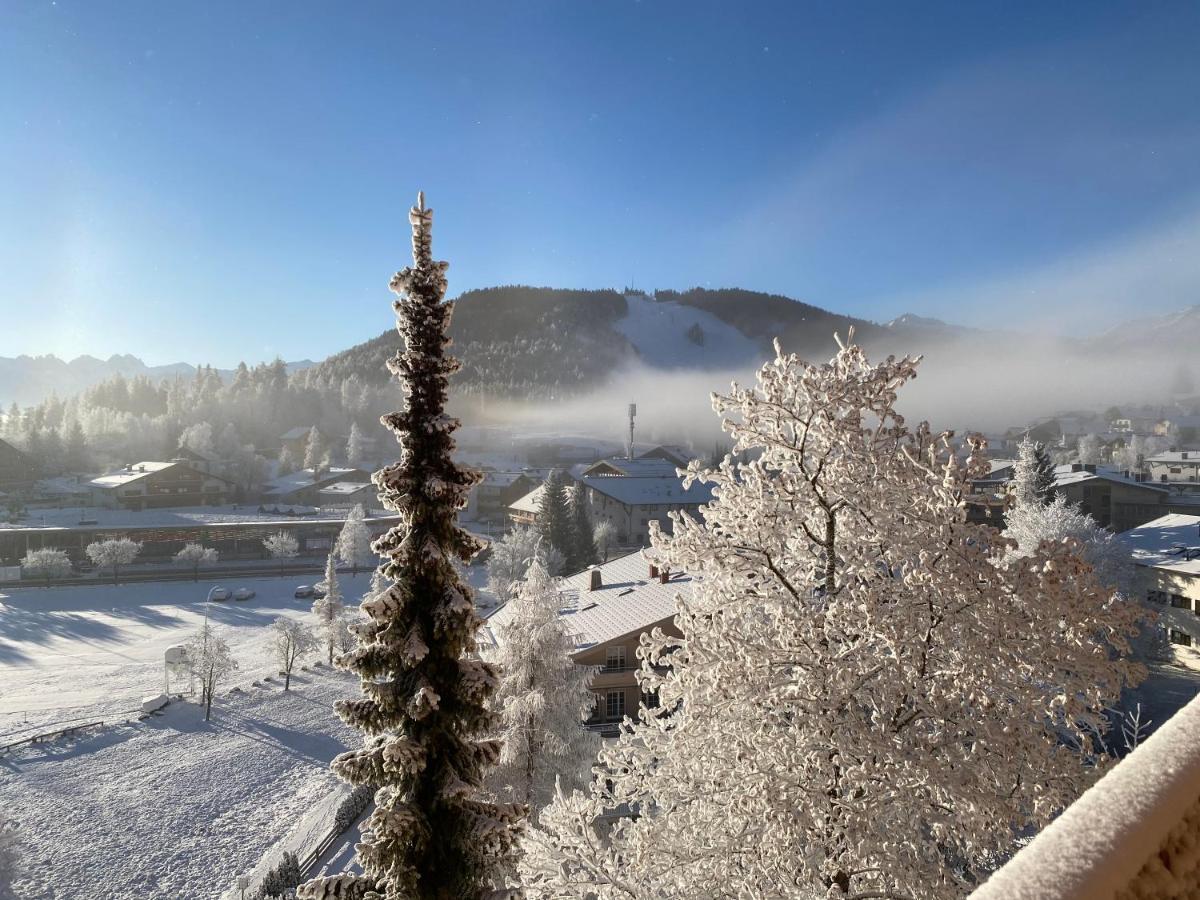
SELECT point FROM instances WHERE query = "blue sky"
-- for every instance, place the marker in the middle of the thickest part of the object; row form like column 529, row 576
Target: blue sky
column 216, row 181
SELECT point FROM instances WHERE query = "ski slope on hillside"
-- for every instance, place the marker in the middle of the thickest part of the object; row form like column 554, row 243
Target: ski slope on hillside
column 175, row 808
column 659, row 331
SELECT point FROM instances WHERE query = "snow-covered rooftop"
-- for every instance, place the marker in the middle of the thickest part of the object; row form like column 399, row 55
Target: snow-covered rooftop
column 1176, row 456
column 501, row 479
column 531, row 502
column 346, row 487
column 1066, row 475
column 628, row 601
column 132, row 473
column 633, row 490
column 634, row 467
column 294, row 434
column 92, row 519
column 302, row 478
column 1166, row 543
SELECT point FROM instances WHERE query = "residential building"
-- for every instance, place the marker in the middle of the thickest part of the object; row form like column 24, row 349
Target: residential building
column 17, row 470
column 629, row 493
column 202, row 462
column 492, row 497
column 157, row 485
column 1167, row 551
column 348, row 494
column 1116, row 500
column 672, row 453
column 607, row 609
column 305, row 486
column 1175, row 467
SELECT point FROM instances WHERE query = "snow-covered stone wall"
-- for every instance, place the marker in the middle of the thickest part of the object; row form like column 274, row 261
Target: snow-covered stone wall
column 1134, row 835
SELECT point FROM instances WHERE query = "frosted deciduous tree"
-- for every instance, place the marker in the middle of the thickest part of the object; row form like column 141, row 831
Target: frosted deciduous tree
column 210, row 662
column 1089, row 449
column 869, row 698
column 1033, row 474
column 314, row 449
column 113, row 553
column 290, row 639
column 47, row 563
column 353, row 545
column 424, row 710
column 356, row 449
column 329, row 609
column 282, row 545
column 509, row 561
column 196, row 555
column 198, row 437
column 604, row 535
column 542, row 700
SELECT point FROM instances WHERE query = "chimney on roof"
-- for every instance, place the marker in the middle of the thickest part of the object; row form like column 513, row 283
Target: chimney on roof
column 1089, row 467
column 596, row 580
column 1076, row 467
column 653, row 570
column 664, row 575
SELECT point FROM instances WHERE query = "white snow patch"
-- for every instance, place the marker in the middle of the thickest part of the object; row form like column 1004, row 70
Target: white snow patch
column 658, row 330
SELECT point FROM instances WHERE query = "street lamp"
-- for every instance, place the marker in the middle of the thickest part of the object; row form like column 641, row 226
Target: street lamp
column 207, row 601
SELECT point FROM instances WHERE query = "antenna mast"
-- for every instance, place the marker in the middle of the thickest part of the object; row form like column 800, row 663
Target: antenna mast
column 632, row 413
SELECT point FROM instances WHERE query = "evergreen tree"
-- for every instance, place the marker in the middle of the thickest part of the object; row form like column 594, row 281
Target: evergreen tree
column 1033, row 474
column 583, row 541
column 355, row 446
column 328, row 609
column 554, row 515
column 424, row 712
column 76, row 452
column 542, row 699
column 314, row 449
column 353, row 545
column 287, row 461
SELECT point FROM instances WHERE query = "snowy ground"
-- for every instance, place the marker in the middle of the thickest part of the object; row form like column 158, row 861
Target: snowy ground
column 659, row 332
column 175, row 807
column 93, row 652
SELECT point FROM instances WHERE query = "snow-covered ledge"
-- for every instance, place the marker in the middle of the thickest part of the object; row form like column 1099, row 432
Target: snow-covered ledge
column 1134, row 834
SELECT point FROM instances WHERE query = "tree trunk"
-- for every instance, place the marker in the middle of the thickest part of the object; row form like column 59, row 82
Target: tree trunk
column 287, row 679
column 208, row 703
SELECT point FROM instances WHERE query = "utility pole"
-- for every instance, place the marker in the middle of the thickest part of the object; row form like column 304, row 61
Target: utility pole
column 632, row 413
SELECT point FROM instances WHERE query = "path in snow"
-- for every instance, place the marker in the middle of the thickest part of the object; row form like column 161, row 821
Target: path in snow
column 174, row 808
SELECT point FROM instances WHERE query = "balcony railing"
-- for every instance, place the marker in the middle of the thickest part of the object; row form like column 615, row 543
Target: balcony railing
column 1134, row 833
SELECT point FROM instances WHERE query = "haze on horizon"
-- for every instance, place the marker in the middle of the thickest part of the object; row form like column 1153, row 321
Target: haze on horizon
column 221, row 183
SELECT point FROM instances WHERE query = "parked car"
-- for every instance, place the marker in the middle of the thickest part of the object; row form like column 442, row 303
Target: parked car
column 304, row 591
column 220, row 593
column 318, row 590
column 243, row 594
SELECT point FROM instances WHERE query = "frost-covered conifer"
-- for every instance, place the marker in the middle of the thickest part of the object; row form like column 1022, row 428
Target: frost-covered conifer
column 354, row 541
column 1033, row 474
column 869, row 698
column 314, row 449
column 355, row 446
column 424, row 710
column 287, row 461
column 329, row 609
column 542, row 700
column 583, row 544
column 554, row 515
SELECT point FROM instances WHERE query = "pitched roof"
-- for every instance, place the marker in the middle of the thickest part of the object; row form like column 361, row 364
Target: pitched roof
column 1175, row 456
column 133, row 473
column 628, row 601
column 1165, row 542
column 633, row 467
column 531, row 502
column 1067, row 475
column 640, row 491
column 302, row 478
column 295, row 434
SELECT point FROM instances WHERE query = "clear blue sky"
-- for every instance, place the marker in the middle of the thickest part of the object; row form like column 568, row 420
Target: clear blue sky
column 213, row 181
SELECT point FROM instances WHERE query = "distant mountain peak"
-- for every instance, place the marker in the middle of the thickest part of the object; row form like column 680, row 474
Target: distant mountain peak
column 912, row 320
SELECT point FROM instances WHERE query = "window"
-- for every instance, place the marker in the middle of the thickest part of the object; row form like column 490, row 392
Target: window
column 1156, row 596
column 1180, row 602
column 614, row 703
column 1177, row 637
column 615, row 660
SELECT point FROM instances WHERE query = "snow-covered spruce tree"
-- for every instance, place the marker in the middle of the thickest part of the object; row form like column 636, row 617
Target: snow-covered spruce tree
column 542, row 700
column 1033, row 474
column 314, row 449
column 869, row 698
column 355, row 446
column 583, row 544
column 554, row 515
column 354, row 541
column 329, row 609
column 424, row 710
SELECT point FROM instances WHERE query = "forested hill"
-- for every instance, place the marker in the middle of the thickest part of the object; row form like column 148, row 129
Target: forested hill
column 542, row 342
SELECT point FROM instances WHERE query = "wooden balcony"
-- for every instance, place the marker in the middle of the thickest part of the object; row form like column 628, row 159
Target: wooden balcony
column 1133, row 834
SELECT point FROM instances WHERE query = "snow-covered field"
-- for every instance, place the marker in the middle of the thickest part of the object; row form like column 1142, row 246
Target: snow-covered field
column 93, row 652
column 659, row 332
column 174, row 808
